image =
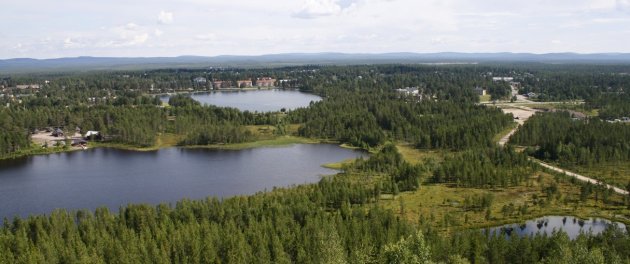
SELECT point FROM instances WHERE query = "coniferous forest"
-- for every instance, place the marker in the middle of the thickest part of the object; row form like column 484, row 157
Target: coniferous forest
column 434, row 181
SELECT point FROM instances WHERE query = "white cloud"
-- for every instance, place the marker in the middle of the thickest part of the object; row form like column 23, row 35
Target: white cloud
column 165, row 17
column 318, row 8
column 139, row 39
column 206, row 37
column 68, row 43
column 438, row 40
column 369, row 26
column 131, row 26
column 611, row 20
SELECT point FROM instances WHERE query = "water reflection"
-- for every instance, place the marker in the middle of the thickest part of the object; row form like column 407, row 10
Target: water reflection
column 255, row 100
column 110, row 177
column 573, row 226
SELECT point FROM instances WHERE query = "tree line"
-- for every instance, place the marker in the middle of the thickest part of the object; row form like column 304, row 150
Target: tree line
column 368, row 119
column 485, row 168
column 560, row 137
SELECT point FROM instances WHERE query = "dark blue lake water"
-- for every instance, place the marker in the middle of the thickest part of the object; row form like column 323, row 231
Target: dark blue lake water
column 110, row 177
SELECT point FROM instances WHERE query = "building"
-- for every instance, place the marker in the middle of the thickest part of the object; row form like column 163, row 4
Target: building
column 409, row 91
column 265, row 82
column 480, row 91
column 218, row 84
column 244, row 83
column 27, row 86
column 57, row 132
column 93, row 135
column 505, row 79
column 200, row 80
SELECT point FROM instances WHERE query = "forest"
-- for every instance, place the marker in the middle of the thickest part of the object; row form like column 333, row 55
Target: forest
column 485, row 168
column 559, row 137
column 318, row 223
column 347, row 217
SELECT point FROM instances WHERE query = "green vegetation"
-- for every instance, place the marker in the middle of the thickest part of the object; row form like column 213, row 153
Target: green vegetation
column 486, row 169
column 278, row 141
column 451, row 208
column 435, row 174
column 611, row 106
column 370, row 119
column 569, row 141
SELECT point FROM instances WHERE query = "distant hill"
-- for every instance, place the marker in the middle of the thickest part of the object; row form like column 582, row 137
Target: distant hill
column 286, row 59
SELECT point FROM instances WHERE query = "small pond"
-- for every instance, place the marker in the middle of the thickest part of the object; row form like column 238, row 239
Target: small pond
column 548, row 224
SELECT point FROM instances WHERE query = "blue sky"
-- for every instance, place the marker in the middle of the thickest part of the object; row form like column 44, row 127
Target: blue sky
column 67, row 28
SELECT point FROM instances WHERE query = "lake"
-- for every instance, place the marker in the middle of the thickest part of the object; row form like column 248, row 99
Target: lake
column 255, row 100
column 546, row 225
column 109, row 177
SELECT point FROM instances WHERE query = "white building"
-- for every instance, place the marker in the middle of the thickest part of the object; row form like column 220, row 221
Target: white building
column 505, row 79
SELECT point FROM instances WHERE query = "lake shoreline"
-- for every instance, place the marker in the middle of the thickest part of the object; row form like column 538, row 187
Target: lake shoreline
column 114, row 177
column 225, row 90
column 275, row 142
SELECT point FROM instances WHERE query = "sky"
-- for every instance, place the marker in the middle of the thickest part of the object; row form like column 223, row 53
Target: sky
column 149, row 28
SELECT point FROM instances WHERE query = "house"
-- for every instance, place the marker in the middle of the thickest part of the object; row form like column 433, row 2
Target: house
column 57, row 132
column 244, row 83
column 531, row 95
column 480, row 91
column 265, row 82
column 93, row 135
column 200, row 80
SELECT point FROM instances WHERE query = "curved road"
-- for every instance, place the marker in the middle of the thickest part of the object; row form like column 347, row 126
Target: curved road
column 524, row 114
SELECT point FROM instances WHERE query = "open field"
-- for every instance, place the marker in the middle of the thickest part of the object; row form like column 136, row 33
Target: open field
column 269, row 131
column 443, row 205
column 520, row 113
column 278, row 141
column 415, row 156
column 43, row 138
column 573, row 106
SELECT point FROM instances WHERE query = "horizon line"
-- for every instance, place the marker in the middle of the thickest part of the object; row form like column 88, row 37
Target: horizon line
column 322, row 53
